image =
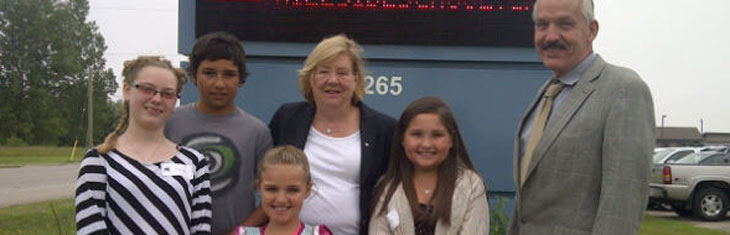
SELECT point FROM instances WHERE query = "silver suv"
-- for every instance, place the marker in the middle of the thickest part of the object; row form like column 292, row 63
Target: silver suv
column 698, row 184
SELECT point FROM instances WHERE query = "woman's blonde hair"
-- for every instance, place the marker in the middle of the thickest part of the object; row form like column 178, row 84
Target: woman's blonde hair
column 326, row 51
column 285, row 155
column 130, row 72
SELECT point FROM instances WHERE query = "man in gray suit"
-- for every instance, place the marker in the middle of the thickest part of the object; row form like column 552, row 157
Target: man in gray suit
column 582, row 152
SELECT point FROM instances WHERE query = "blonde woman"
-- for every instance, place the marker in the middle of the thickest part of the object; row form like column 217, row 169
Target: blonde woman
column 346, row 141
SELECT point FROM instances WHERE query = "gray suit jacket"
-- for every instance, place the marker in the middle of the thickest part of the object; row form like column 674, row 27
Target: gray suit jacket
column 589, row 173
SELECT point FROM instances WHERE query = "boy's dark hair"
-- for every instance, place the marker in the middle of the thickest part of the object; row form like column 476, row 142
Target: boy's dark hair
column 216, row 46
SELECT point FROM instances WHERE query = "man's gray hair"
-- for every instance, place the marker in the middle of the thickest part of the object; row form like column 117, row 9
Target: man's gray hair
column 586, row 7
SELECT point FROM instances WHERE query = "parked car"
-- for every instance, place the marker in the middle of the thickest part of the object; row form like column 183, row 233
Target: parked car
column 664, row 155
column 661, row 156
column 703, row 158
column 716, row 148
column 697, row 184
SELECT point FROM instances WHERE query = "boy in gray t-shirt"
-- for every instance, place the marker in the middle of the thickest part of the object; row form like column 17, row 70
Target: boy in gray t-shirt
column 231, row 139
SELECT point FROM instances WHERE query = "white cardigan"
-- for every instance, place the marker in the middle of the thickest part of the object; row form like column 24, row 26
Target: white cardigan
column 469, row 210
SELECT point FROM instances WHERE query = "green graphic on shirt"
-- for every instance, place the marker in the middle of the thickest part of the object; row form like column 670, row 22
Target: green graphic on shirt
column 223, row 159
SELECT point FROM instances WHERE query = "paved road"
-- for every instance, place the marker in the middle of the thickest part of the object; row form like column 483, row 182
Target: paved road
column 722, row 225
column 28, row 184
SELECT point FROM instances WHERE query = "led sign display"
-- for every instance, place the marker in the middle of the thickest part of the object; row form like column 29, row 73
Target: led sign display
column 393, row 22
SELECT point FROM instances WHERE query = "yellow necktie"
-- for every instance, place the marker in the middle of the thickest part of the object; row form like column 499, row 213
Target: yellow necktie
column 538, row 125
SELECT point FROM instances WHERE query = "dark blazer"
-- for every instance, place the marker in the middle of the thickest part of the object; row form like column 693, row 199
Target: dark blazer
column 291, row 124
column 589, row 172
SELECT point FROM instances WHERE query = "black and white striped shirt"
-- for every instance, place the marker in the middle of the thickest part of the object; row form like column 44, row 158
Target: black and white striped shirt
column 119, row 195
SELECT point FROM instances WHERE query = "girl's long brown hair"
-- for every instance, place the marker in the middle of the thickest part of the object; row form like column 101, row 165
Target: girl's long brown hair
column 400, row 169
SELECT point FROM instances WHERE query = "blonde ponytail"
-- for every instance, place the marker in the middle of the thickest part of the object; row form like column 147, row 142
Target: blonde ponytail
column 110, row 142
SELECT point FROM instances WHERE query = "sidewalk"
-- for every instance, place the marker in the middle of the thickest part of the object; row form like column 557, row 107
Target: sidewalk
column 28, row 184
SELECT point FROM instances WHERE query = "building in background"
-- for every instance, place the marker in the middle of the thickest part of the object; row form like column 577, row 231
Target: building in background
column 716, row 138
column 689, row 136
column 678, row 136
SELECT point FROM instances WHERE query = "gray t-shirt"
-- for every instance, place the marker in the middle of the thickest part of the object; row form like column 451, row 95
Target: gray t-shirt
column 234, row 144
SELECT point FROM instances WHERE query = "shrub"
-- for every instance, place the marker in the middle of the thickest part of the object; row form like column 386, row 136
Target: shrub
column 16, row 142
column 498, row 219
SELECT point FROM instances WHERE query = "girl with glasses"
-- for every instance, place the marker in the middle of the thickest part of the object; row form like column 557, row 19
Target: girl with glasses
column 138, row 181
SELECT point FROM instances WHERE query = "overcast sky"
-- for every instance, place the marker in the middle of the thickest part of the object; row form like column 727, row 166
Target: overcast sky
column 679, row 48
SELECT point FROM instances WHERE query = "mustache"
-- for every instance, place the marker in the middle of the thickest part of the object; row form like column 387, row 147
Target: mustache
column 554, row 45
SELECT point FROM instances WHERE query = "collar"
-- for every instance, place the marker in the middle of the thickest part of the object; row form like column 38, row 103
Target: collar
column 570, row 78
column 262, row 229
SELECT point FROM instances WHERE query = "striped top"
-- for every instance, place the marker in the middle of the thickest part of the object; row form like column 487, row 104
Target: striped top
column 119, row 195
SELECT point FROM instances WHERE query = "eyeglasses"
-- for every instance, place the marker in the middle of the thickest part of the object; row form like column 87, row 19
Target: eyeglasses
column 151, row 91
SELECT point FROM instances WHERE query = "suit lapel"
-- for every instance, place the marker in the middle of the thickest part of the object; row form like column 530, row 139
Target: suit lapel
column 572, row 103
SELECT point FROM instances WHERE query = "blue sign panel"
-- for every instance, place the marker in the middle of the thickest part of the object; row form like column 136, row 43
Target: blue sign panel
column 487, row 87
column 488, row 100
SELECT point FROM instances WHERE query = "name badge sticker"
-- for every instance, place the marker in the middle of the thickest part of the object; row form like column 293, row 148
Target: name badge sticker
column 393, row 220
column 175, row 169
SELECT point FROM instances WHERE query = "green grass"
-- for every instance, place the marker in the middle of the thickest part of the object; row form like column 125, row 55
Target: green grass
column 37, row 218
column 14, row 156
column 652, row 225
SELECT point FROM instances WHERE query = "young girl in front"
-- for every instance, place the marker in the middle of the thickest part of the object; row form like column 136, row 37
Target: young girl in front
column 284, row 182
column 431, row 186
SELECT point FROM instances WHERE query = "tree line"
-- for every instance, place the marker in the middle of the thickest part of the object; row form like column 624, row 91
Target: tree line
column 48, row 51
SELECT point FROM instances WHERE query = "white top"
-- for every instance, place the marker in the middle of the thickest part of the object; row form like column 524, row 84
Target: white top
column 335, row 166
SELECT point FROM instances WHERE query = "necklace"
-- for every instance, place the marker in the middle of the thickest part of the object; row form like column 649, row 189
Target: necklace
column 427, row 192
column 328, row 131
